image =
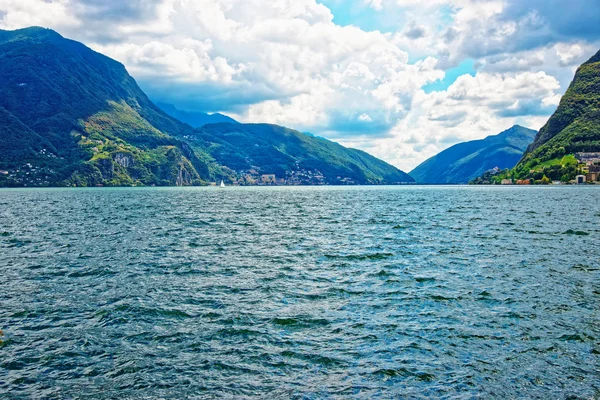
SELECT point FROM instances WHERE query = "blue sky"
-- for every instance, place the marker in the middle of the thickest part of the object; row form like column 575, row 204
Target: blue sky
column 363, row 16
column 466, row 67
column 401, row 79
column 360, row 14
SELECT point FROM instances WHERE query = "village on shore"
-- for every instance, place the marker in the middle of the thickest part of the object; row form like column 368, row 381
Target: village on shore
column 299, row 177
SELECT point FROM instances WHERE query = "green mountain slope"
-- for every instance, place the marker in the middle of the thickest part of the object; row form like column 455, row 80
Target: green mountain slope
column 574, row 127
column 18, row 141
column 465, row 161
column 272, row 149
column 79, row 118
column 195, row 119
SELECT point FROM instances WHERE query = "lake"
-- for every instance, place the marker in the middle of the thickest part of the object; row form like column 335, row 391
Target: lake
column 307, row 292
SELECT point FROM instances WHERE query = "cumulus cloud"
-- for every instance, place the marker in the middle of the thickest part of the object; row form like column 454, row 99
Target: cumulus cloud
column 415, row 31
column 23, row 13
column 375, row 4
column 453, row 30
column 576, row 19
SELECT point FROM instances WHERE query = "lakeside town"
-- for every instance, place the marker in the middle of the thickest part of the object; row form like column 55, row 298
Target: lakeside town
column 298, row 177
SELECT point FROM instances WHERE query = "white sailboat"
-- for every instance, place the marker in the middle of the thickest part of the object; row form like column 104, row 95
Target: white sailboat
column 222, row 183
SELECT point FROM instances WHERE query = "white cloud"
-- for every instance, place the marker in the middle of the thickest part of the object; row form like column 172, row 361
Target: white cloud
column 365, row 118
column 23, row 13
column 376, row 4
column 569, row 53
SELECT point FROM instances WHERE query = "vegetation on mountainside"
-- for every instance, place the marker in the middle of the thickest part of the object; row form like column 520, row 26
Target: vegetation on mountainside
column 563, row 170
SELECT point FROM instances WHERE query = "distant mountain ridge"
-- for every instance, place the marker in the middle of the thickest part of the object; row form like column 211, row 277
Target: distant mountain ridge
column 465, row 161
column 72, row 116
column 195, row 119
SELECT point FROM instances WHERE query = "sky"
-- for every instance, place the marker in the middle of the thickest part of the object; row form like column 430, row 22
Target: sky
column 401, row 79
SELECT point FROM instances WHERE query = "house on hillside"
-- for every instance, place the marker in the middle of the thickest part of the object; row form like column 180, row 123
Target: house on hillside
column 588, row 158
column 268, row 178
column 592, row 176
column 592, row 173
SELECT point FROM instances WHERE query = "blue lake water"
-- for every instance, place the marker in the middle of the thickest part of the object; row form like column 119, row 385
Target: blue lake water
column 308, row 293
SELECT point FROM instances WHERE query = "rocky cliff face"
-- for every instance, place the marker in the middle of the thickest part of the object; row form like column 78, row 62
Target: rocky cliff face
column 184, row 176
column 124, row 159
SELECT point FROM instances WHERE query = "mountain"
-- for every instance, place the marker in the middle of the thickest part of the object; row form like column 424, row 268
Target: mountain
column 195, row 119
column 574, row 127
column 465, row 161
column 71, row 116
column 281, row 151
